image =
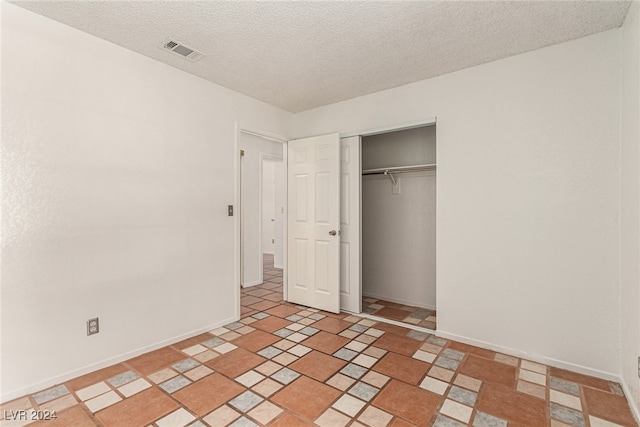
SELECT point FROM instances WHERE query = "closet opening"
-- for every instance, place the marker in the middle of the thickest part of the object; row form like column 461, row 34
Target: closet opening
column 399, row 226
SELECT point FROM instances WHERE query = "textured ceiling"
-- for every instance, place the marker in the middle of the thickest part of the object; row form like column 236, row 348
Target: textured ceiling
column 301, row 55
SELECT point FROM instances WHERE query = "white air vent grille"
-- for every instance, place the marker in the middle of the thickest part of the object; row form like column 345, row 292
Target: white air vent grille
column 179, row 49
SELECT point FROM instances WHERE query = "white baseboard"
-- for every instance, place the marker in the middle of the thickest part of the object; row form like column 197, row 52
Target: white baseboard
column 632, row 403
column 59, row 379
column 394, row 322
column 254, row 283
column 398, row 300
column 533, row 357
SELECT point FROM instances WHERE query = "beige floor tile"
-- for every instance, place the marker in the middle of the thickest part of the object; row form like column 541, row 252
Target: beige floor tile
column 376, row 379
column 178, row 418
column 332, row 418
column 269, row 367
column 267, row 387
column 375, row 417
column 102, row 401
column 195, row 349
column 532, row 389
column 456, row 410
column 206, row 356
column 221, row 417
column 565, row 399
column 434, row 385
column 265, row 412
column 341, row 382
column 533, row 367
column 59, row 404
column 468, row 382
column 285, row 358
column 284, row 344
column 374, row 351
column 134, row 387
column 197, row 373
column 349, row 405
column 424, row 356
column 509, row 360
column 163, row 375
column 599, row 422
column 94, row 390
column 441, row 373
column 349, row 334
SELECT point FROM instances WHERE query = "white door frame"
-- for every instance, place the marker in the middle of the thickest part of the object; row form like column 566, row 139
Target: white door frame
column 240, row 129
column 377, row 131
column 270, row 158
column 350, row 224
column 391, row 128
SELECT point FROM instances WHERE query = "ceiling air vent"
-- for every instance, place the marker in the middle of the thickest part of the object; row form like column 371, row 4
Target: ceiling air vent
column 181, row 50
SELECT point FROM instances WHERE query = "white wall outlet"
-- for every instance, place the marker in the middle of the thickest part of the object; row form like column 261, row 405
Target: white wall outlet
column 93, row 326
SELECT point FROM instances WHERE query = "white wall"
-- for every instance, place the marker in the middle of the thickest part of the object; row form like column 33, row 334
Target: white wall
column 255, row 150
column 527, row 197
column 630, row 202
column 116, row 176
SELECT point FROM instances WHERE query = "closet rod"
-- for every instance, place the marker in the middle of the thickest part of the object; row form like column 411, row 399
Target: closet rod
column 399, row 169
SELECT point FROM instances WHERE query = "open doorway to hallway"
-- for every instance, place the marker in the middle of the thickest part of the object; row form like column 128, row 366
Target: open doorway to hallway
column 262, row 192
column 266, row 295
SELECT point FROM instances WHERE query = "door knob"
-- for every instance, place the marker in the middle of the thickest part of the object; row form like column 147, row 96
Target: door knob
column 333, row 232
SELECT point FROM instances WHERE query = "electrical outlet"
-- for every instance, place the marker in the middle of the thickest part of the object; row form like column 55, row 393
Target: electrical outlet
column 93, row 326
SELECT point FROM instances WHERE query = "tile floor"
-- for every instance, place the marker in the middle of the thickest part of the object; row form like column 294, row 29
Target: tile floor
column 287, row 365
column 417, row 316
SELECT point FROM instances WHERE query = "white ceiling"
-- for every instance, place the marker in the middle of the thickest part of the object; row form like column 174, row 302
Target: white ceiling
column 301, row 55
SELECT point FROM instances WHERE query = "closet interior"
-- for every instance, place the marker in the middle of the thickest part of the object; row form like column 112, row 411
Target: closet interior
column 399, row 226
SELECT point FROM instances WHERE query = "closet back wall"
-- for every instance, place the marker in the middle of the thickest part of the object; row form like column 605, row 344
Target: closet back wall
column 399, row 230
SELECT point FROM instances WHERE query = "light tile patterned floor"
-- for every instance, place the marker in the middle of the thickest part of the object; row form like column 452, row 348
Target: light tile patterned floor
column 417, row 316
column 287, row 365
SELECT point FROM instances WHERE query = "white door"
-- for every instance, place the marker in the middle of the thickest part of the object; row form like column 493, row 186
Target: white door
column 350, row 289
column 313, row 177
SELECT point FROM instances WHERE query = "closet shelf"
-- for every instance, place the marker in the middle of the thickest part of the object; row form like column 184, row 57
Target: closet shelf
column 399, row 169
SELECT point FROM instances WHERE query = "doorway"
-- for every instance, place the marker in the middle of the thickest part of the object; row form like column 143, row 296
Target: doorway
column 399, row 226
column 262, row 205
column 266, row 295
